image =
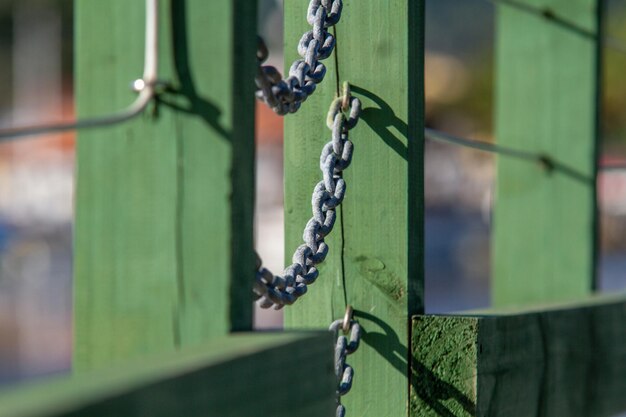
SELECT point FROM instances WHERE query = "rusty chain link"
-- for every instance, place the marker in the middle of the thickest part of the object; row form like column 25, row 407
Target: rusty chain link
column 327, row 195
column 286, row 95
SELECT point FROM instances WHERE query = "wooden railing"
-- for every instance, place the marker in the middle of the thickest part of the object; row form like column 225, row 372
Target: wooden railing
column 164, row 208
column 238, row 375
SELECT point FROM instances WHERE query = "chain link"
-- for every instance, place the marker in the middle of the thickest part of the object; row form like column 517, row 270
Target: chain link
column 286, row 95
column 328, row 194
column 343, row 348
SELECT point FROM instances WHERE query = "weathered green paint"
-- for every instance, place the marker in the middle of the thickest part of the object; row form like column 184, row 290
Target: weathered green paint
column 443, row 366
column 243, row 375
column 164, row 203
column 547, row 102
column 376, row 263
column 567, row 360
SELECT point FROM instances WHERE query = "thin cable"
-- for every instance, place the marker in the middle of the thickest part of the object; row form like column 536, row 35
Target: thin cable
column 484, row 146
column 548, row 14
column 145, row 86
column 615, row 44
column 613, row 167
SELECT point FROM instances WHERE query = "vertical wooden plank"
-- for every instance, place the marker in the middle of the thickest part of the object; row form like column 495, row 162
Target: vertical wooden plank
column 544, row 243
column 164, row 203
column 376, row 263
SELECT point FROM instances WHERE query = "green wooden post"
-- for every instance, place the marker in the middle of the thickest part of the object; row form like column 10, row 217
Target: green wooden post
column 163, row 237
column 375, row 260
column 560, row 360
column 544, row 243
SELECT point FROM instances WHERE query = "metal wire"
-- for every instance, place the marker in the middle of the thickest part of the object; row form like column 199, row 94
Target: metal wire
column 146, row 86
column 543, row 159
column 548, row 14
column 613, row 167
column 482, row 146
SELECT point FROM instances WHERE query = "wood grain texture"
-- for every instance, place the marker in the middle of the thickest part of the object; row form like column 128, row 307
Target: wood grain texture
column 544, row 242
column 376, row 263
column 164, row 203
column 566, row 360
column 247, row 375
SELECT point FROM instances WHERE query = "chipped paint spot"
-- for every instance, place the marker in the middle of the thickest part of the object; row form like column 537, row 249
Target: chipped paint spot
column 375, row 271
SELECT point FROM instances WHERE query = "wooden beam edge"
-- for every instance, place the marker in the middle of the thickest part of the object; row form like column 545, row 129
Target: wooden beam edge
column 73, row 395
column 563, row 359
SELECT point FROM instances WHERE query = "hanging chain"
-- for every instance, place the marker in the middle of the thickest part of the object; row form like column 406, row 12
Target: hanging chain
column 327, row 196
column 343, row 348
column 286, row 95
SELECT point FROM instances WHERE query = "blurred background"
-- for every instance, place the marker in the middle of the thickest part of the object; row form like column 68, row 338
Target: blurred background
column 36, row 175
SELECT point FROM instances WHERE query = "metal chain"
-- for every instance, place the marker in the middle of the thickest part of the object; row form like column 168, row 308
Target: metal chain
column 328, row 194
column 286, row 95
column 343, row 348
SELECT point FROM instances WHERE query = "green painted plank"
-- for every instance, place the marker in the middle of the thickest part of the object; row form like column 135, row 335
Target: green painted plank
column 376, row 263
column 544, row 241
column 565, row 360
column 242, row 375
column 164, row 204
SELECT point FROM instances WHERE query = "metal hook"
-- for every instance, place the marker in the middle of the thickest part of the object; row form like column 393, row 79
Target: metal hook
column 147, row 87
column 262, row 53
column 347, row 319
column 345, row 101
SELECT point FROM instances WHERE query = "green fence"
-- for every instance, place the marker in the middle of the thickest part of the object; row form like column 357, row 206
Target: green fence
column 164, row 258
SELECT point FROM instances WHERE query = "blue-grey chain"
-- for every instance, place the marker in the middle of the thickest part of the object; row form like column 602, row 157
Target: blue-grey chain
column 343, row 348
column 278, row 291
column 286, row 95
column 336, row 155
